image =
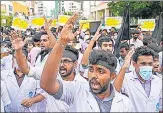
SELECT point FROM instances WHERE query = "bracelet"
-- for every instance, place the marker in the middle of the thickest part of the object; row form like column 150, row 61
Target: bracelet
column 61, row 44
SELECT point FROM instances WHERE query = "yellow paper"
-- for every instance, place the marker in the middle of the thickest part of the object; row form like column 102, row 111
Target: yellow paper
column 63, row 19
column 147, row 24
column 113, row 22
column 20, row 24
column 86, row 25
column 38, row 21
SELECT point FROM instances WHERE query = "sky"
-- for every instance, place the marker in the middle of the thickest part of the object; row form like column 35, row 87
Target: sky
column 51, row 4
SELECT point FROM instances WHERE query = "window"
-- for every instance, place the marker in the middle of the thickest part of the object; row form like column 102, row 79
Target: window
column 74, row 7
column 10, row 8
column 10, row 14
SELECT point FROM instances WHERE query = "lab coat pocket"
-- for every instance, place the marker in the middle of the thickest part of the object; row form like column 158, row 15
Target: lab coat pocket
column 153, row 104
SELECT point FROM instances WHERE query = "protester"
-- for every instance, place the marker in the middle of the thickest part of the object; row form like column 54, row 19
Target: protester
column 24, row 92
column 135, row 40
column 80, row 69
column 140, row 85
column 75, row 93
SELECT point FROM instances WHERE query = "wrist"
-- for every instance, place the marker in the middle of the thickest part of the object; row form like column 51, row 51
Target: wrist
column 18, row 50
column 62, row 43
column 93, row 40
column 124, row 67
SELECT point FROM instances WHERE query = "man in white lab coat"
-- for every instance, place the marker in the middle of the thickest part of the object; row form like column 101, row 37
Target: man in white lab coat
column 143, row 88
column 24, row 92
column 97, row 95
column 35, row 71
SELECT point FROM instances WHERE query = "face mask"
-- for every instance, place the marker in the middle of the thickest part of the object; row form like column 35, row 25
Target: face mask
column 145, row 72
column 28, row 33
column 86, row 37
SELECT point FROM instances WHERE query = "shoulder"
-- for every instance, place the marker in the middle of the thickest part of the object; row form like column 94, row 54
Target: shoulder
column 5, row 73
column 79, row 78
column 123, row 98
column 157, row 79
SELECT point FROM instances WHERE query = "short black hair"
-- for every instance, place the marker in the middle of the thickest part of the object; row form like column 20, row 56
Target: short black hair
column 100, row 55
column 146, row 40
column 73, row 50
column 156, row 55
column 104, row 39
column 135, row 32
column 154, row 47
column 37, row 36
column 142, row 51
column 53, row 29
column 30, row 42
column 105, row 30
column 125, row 45
column 42, row 27
column 154, row 40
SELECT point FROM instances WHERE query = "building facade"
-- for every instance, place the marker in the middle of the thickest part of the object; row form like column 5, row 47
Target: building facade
column 100, row 10
column 7, row 8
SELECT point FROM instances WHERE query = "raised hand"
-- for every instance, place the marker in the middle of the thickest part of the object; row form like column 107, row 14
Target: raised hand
column 16, row 40
column 66, row 33
column 128, row 58
column 47, row 23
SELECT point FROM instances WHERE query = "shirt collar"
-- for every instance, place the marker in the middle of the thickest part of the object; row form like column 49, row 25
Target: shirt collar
column 120, row 58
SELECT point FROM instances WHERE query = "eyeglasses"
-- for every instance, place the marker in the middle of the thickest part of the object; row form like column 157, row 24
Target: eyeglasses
column 66, row 61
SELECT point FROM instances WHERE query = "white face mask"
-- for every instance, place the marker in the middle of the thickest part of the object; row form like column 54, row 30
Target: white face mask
column 28, row 33
column 86, row 37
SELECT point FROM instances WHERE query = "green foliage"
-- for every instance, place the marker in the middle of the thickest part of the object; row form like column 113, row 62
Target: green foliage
column 7, row 18
column 68, row 13
column 141, row 9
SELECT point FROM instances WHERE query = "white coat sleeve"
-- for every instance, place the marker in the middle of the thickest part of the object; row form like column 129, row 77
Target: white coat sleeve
column 41, row 106
column 66, row 91
column 4, row 94
column 124, row 87
column 35, row 72
column 4, row 74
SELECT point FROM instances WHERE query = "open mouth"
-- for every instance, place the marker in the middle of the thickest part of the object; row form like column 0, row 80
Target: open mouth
column 63, row 71
column 95, row 85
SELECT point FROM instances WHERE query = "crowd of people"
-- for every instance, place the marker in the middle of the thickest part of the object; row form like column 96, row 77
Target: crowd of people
column 65, row 69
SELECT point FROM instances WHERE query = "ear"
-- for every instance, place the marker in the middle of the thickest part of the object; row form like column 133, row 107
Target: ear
column 134, row 64
column 113, row 76
column 75, row 64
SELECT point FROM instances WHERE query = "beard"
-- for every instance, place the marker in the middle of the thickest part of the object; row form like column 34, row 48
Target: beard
column 96, row 87
column 64, row 72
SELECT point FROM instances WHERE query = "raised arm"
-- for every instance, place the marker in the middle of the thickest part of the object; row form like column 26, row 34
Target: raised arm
column 52, row 38
column 49, row 74
column 119, row 79
column 89, row 48
column 18, row 44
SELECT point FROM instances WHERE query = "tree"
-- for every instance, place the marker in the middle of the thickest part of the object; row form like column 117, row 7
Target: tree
column 141, row 9
column 8, row 19
column 68, row 13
